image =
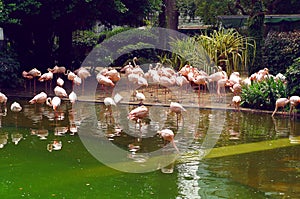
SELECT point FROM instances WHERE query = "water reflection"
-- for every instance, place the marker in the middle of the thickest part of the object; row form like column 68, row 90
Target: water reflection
column 268, row 172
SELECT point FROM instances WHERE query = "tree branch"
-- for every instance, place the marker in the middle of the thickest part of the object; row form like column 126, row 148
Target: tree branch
column 240, row 7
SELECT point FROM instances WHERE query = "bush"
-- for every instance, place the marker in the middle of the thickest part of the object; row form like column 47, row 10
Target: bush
column 293, row 80
column 9, row 68
column 263, row 95
column 280, row 49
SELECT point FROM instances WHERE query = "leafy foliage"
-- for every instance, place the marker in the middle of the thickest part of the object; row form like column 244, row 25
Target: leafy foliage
column 9, row 68
column 263, row 95
column 293, row 74
column 188, row 50
column 280, row 49
column 228, row 49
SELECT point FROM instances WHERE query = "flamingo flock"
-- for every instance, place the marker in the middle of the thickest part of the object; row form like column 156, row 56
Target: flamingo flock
column 159, row 77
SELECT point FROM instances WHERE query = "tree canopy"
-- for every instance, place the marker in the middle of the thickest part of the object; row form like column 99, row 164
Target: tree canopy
column 41, row 30
column 208, row 10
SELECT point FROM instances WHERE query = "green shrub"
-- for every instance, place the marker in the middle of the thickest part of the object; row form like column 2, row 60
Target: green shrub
column 280, row 49
column 263, row 95
column 293, row 80
column 9, row 70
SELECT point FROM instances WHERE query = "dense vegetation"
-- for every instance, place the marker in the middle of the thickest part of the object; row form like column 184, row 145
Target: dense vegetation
column 263, row 95
column 293, row 74
column 280, row 50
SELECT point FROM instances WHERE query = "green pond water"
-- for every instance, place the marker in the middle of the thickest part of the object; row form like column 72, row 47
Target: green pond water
column 254, row 155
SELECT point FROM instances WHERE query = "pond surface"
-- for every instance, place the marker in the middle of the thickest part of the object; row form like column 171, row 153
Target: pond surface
column 255, row 155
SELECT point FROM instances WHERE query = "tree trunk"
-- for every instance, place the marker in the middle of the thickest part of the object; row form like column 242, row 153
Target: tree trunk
column 65, row 46
column 256, row 31
column 172, row 14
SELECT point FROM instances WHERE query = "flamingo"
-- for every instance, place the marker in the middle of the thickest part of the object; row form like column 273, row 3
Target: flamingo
column 280, row 103
column 294, row 101
column 72, row 97
column 168, row 135
column 235, row 78
column 46, row 77
column 60, row 82
column 167, row 82
column 60, row 92
column 236, row 89
column 200, row 80
column 16, row 107
column 138, row 114
column 54, row 102
column 236, row 100
column 34, row 73
column 58, row 69
column 113, row 75
column 184, row 71
column 26, row 75
column 104, row 81
column 109, row 102
column 77, row 81
column 39, row 98
column 82, row 73
column 177, row 108
column 3, row 99
column 127, row 69
column 221, row 83
column 140, row 97
column 71, row 76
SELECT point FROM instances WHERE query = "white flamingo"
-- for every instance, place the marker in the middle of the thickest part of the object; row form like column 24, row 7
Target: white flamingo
column 3, row 99
column 16, row 107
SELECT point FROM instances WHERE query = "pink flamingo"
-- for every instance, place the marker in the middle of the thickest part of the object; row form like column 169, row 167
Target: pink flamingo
column 177, row 109
column 46, row 77
column 27, row 76
column 138, row 114
column 39, row 98
column 83, row 73
column 104, row 81
column 280, row 103
column 294, row 101
column 168, row 135
column 113, row 75
column 34, row 73
column 60, row 92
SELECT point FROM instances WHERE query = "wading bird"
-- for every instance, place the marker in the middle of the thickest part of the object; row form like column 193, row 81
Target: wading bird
column 177, row 109
column 16, row 107
column 3, row 99
column 294, row 101
column 60, row 92
column 39, row 98
column 140, row 97
column 280, row 103
column 109, row 102
column 168, row 135
column 236, row 101
column 82, row 73
column 138, row 114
